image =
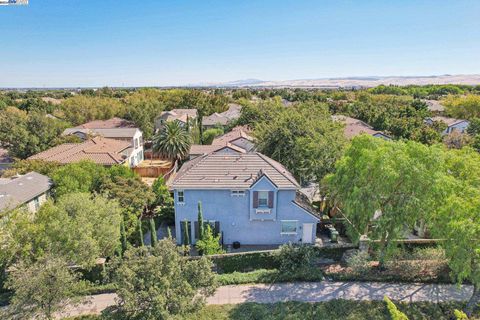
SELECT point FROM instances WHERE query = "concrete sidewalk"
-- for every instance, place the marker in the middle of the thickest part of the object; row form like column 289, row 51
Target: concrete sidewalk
column 308, row 292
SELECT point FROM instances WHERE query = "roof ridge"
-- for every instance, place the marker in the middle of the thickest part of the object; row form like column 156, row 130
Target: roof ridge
column 266, row 159
column 192, row 164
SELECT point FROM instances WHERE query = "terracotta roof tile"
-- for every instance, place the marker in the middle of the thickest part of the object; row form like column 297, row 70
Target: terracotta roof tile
column 99, row 150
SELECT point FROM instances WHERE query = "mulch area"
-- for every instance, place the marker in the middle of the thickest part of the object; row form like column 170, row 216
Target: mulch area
column 430, row 271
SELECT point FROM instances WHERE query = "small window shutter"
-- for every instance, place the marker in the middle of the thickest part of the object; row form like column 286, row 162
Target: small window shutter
column 197, row 230
column 217, row 228
column 255, row 199
column 270, row 199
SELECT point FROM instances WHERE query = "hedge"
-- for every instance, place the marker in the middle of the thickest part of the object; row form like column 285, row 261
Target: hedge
column 249, row 261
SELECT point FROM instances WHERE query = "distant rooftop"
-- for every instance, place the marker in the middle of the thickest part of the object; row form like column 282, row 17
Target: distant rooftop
column 107, row 124
column 104, row 132
column 179, row 114
column 448, row 121
column 19, row 190
column 223, row 118
column 434, row 105
column 355, row 127
column 100, row 150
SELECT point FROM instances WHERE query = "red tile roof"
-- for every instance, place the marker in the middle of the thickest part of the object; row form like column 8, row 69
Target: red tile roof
column 107, row 124
column 99, row 150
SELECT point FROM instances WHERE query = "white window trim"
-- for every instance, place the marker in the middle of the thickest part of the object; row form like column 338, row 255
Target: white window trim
column 289, row 233
column 266, row 205
column 178, row 197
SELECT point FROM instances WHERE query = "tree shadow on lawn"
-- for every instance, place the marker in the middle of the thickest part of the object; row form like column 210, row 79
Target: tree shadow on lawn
column 340, row 309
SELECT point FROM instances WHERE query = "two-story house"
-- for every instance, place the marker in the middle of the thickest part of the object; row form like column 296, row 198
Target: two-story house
column 458, row 125
column 246, row 197
column 114, row 128
column 29, row 191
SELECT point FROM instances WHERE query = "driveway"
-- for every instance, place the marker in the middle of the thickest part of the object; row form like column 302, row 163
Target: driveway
column 308, row 292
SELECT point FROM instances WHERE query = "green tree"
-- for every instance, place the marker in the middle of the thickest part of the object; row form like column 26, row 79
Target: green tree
column 303, row 138
column 209, row 244
column 210, row 134
column 134, row 197
column 161, row 283
column 395, row 314
column 172, row 142
column 186, row 234
column 77, row 227
column 163, row 202
column 463, row 107
column 83, row 176
column 140, row 232
column 458, row 219
column 41, row 289
column 153, row 233
column 123, row 237
column 390, row 184
column 201, row 227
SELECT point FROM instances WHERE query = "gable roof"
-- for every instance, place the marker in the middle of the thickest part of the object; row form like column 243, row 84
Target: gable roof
column 113, row 133
column 236, row 133
column 355, row 127
column 434, row 105
column 230, row 139
column 225, row 117
column 107, row 124
column 19, row 190
column 448, row 121
column 99, row 150
column 178, row 114
column 221, row 171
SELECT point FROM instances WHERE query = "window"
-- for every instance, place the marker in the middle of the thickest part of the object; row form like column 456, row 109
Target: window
column 36, row 203
column 263, row 198
column 136, row 143
column 181, row 196
column 237, row 193
column 289, row 227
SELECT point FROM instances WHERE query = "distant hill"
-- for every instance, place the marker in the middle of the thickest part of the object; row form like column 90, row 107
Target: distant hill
column 354, row 82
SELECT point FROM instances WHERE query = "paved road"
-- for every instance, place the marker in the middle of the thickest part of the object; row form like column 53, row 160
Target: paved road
column 309, row 292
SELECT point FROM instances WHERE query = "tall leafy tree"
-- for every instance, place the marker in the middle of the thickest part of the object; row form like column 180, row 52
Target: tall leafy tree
column 388, row 184
column 172, row 142
column 160, row 283
column 303, row 138
column 458, row 219
column 78, row 227
column 41, row 289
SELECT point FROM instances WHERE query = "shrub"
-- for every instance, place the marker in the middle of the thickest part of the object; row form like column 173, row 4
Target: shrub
column 293, row 257
column 460, row 315
column 210, row 134
column 395, row 314
column 242, row 262
column 359, row 262
column 209, row 244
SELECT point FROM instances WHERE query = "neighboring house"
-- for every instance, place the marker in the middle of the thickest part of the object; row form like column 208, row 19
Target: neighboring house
column 355, row 127
column 247, row 198
column 5, row 160
column 30, row 190
column 115, row 128
column 453, row 124
column 100, row 150
column 434, row 106
column 182, row 116
column 224, row 118
column 107, row 124
column 237, row 140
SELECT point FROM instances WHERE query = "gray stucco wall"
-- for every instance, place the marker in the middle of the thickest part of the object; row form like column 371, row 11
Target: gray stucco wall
column 238, row 218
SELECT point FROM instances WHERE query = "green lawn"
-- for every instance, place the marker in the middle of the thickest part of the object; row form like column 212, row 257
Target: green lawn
column 334, row 310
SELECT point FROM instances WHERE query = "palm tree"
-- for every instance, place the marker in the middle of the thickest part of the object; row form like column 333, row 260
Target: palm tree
column 172, row 141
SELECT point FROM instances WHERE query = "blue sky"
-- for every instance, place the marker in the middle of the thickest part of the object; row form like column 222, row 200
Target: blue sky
column 175, row 42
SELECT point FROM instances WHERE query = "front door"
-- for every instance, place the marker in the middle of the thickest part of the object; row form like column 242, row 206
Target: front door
column 307, row 233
